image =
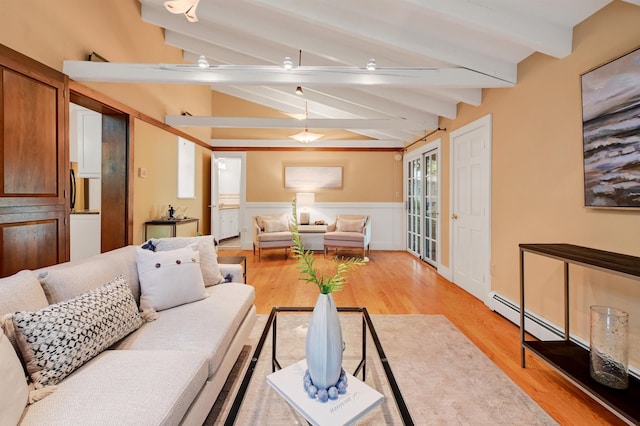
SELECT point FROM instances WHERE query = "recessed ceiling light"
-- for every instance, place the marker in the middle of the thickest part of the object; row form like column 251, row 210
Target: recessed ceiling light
column 202, row 62
column 371, row 65
column 287, row 63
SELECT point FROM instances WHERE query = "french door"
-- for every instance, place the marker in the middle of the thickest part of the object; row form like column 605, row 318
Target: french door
column 423, row 204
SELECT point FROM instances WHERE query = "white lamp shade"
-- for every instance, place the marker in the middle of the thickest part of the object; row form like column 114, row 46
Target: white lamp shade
column 305, row 199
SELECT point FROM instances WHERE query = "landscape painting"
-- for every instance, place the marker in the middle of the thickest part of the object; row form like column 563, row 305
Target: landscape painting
column 611, row 133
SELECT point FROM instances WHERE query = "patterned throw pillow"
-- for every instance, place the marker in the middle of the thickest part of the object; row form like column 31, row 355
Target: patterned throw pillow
column 60, row 338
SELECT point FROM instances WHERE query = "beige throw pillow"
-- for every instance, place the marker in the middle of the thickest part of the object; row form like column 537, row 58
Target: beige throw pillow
column 275, row 225
column 208, row 257
column 282, row 218
column 349, row 225
column 169, row 278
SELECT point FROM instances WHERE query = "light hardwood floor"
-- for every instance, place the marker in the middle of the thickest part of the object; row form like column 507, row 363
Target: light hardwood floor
column 397, row 283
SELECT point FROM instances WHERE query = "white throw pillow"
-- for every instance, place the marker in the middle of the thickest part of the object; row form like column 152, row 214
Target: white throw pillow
column 169, row 278
column 13, row 384
column 208, row 258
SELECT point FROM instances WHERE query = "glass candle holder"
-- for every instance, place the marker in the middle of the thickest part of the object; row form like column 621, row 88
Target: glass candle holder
column 609, row 344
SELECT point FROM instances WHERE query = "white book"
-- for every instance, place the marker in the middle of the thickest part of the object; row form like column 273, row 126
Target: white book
column 359, row 400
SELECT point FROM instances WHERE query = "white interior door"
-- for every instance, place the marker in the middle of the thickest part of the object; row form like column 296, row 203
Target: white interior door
column 215, row 210
column 470, row 207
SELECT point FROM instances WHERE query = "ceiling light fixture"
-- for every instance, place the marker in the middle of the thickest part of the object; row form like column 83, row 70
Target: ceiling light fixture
column 371, row 65
column 299, row 91
column 188, row 7
column 202, row 62
column 306, row 137
column 287, row 63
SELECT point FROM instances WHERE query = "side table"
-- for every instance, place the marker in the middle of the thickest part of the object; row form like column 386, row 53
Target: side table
column 239, row 260
column 312, row 236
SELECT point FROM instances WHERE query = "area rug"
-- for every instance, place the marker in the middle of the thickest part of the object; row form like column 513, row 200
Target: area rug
column 444, row 378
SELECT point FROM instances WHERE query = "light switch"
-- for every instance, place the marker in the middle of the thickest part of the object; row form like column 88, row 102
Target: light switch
column 142, row 172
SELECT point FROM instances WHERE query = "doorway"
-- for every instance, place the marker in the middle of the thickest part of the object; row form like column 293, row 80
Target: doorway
column 116, row 216
column 470, row 221
column 228, row 178
column 422, row 177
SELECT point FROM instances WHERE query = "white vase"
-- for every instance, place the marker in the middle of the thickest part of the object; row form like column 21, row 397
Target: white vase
column 324, row 343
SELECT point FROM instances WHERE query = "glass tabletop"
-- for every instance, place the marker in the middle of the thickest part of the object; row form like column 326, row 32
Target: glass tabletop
column 282, row 343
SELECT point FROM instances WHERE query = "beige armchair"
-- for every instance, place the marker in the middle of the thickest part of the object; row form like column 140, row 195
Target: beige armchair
column 271, row 232
column 349, row 231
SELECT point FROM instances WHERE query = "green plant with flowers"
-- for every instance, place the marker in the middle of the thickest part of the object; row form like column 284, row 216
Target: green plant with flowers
column 306, row 260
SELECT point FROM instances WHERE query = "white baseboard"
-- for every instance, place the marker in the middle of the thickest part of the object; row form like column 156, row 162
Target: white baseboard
column 537, row 326
column 445, row 272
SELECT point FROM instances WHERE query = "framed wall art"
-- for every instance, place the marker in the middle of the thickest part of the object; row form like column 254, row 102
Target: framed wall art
column 611, row 133
column 313, row 177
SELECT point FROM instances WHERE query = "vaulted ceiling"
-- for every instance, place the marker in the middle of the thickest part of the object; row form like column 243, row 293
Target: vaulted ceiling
column 430, row 55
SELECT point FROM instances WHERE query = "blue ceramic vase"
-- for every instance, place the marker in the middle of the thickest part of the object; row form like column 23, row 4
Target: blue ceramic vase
column 324, row 343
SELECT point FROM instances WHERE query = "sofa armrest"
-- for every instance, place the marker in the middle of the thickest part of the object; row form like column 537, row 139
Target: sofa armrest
column 232, row 272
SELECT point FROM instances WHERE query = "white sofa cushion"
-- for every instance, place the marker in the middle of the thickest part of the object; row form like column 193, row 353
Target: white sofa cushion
column 169, row 278
column 208, row 257
column 67, row 280
column 124, row 388
column 208, row 325
column 21, row 292
column 56, row 340
column 13, row 384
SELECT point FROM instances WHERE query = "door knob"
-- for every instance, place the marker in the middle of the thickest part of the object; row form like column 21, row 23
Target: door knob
column 454, row 216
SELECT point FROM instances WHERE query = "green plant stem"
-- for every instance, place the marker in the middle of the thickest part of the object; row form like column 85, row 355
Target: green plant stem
column 306, row 260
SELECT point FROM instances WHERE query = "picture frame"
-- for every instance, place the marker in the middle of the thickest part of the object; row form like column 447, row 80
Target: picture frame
column 313, row 177
column 611, row 133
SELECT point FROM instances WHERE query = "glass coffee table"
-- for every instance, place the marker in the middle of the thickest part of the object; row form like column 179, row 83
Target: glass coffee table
column 281, row 344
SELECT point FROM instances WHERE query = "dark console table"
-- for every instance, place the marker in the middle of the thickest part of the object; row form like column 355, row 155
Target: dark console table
column 569, row 358
column 173, row 228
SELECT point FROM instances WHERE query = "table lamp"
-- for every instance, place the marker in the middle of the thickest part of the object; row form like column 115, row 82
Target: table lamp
column 305, row 200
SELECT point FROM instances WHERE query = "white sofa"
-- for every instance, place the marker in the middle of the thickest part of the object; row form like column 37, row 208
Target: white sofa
column 169, row 371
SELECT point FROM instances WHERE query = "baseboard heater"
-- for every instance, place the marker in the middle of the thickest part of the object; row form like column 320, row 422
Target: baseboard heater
column 536, row 325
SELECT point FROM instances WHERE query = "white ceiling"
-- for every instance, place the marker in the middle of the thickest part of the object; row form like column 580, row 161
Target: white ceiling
column 430, row 56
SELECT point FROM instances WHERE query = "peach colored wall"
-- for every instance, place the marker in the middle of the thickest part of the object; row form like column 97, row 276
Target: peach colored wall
column 156, row 151
column 367, row 176
column 537, row 177
column 53, row 31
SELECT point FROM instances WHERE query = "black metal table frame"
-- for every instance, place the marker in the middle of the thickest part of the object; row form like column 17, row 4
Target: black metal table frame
column 271, row 326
